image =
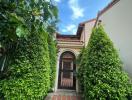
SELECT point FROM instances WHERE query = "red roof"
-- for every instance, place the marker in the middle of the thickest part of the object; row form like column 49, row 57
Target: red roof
column 67, row 37
column 81, row 25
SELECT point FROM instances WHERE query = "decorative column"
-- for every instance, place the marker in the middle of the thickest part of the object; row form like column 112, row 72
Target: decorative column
column 57, row 70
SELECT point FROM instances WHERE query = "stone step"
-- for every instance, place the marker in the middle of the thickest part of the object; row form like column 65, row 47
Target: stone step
column 64, row 95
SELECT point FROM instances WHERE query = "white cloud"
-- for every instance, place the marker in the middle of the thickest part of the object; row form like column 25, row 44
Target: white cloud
column 47, row 0
column 70, row 29
column 58, row 1
column 76, row 9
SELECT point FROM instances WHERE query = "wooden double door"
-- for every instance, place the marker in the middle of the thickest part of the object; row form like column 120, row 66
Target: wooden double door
column 67, row 72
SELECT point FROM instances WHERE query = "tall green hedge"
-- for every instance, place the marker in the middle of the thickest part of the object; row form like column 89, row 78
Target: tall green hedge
column 102, row 75
column 24, row 61
column 30, row 70
column 81, row 61
column 53, row 58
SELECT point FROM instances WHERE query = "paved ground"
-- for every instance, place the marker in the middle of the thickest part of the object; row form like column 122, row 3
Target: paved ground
column 64, row 95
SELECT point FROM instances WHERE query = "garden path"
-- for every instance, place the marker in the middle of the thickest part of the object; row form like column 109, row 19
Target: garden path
column 64, row 95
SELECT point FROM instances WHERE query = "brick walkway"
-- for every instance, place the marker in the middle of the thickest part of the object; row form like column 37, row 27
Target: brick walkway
column 64, row 95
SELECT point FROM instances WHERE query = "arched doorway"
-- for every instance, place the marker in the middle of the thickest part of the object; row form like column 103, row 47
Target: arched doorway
column 67, row 70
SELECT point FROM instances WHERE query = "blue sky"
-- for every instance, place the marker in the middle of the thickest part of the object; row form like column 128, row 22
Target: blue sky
column 73, row 12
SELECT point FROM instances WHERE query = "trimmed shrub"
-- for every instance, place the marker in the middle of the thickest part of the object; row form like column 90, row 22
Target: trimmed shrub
column 81, row 61
column 30, row 71
column 102, row 72
column 24, row 60
column 53, row 57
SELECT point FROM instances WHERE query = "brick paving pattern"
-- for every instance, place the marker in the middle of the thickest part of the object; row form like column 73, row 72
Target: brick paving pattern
column 63, row 97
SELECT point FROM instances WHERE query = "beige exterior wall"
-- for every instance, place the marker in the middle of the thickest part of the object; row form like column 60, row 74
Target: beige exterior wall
column 64, row 46
column 88, row 30
column 117, row 22
column 82, row 35
column 73, row 44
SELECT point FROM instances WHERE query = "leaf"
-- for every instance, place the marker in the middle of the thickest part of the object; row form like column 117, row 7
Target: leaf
column 15, row 18
column 55, row 11
column 21, row 31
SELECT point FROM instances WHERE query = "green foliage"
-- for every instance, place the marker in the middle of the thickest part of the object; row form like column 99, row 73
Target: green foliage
column 53, row 58
column 19, row 18
column 101, row 73
column 25, row 63
column 81, row 61
column 26, row 13
column 30, row 70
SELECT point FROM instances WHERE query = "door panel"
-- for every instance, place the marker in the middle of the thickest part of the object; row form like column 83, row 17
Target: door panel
column 66, row 78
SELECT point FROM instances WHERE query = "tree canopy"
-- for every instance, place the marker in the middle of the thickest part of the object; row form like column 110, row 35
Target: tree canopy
column 20, row 18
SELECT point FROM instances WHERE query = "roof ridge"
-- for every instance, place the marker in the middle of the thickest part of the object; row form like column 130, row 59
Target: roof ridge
column 108, row 7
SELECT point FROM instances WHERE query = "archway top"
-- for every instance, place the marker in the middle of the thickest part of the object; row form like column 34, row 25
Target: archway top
column 68, row 54
column 70, row 51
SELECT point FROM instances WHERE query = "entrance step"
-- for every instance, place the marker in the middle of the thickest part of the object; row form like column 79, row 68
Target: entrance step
column 64, row 95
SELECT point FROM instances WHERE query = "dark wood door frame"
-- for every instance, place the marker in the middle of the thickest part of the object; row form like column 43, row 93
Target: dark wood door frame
column 63, row 70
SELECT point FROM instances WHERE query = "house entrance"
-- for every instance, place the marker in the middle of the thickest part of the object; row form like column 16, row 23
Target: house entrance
column 67, row 70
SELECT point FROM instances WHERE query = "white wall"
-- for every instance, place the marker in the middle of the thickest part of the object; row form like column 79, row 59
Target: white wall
column 88, row 30
column 117, row 23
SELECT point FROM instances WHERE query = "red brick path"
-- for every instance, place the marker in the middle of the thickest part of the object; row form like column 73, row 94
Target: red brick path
column 61, row 97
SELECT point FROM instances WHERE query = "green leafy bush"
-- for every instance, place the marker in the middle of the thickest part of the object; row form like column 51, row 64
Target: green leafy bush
column 103, row 77
column 18, row 18
column 25, row 63
column 53, row 58
column 81, row 61
column 30, row 71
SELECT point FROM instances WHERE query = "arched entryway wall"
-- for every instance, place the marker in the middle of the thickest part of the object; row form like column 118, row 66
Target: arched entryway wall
column 62, row 51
